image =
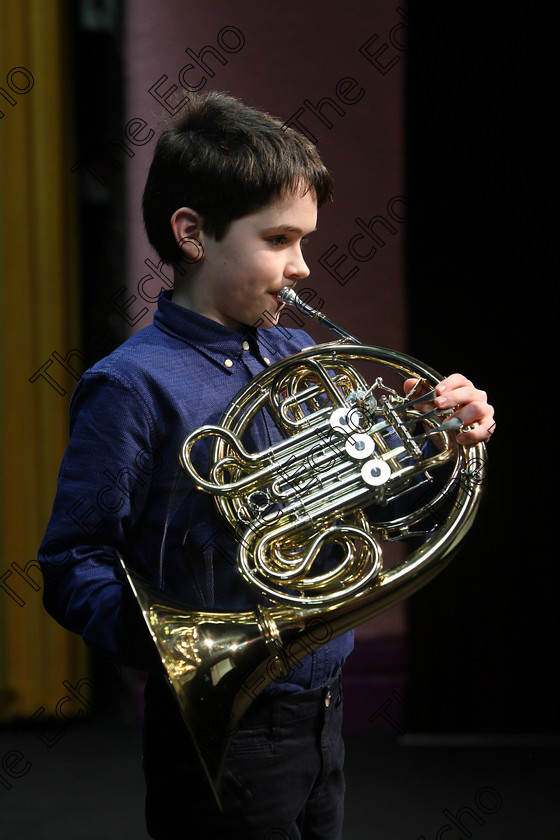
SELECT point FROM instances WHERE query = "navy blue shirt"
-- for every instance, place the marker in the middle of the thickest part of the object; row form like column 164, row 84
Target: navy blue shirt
column 121, row 488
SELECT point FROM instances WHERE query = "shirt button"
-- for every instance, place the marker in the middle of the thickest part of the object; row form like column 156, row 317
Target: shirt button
column 245, row 345
column 228, row 363
column 266, row 361
column 328, row 698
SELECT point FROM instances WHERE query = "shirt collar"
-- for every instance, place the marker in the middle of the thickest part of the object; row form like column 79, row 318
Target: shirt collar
column 213, row 340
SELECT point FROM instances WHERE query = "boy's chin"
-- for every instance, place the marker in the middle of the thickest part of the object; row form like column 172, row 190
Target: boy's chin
column 272, row 314
column 271, row 319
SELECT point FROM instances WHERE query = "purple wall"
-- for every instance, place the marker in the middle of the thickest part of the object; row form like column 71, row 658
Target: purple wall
column 287, row 62
column 341, row 77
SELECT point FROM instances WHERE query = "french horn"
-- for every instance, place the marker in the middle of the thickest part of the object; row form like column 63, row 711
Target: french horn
column 358, row 465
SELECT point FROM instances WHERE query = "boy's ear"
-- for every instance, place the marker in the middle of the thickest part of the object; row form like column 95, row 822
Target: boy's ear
column 187, row 230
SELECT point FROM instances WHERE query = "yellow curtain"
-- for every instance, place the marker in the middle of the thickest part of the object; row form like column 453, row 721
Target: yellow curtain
column 39, row 301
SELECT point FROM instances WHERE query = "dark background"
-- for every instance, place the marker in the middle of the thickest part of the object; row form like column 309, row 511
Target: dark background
column 484, row 635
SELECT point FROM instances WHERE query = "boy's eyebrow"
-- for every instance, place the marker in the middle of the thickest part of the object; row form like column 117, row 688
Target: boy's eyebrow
column 289, row 229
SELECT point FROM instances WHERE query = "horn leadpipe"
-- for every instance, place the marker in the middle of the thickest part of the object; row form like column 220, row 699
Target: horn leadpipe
column 287, row 295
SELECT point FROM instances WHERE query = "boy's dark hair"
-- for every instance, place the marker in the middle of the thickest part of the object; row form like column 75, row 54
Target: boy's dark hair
column 224, row 160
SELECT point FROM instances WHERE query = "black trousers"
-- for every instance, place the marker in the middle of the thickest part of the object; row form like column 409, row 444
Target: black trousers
column 283, row 778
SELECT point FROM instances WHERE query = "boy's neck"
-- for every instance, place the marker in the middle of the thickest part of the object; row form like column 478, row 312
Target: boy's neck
column 190, row 295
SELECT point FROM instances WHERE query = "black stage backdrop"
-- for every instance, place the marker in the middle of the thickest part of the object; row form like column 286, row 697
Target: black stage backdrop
column 484, row 635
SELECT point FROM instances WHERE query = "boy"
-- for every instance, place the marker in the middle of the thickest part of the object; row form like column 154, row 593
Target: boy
column 235, row 195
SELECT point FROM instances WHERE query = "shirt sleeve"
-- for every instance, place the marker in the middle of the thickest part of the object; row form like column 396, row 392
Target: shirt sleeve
column 97, row 504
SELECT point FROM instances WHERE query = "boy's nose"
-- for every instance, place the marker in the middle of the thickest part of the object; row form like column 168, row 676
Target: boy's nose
column 297, row 268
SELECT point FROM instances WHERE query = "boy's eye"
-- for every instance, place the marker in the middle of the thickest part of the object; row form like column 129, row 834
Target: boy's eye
column 282, row 240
